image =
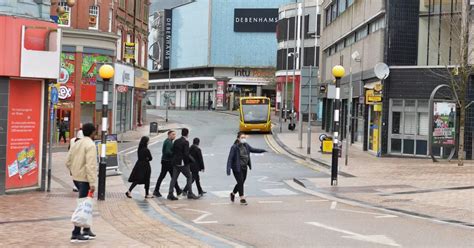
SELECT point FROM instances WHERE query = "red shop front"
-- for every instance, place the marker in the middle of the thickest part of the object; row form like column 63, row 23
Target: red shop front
column 287, row 97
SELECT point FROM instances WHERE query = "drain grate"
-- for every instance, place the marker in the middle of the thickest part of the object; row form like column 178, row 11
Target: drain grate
column 111, row 195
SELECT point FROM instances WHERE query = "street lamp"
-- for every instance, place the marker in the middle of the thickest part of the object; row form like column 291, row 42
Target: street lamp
column 338, row 72
column 106, row 72
column 292, row 124
column 356, row 57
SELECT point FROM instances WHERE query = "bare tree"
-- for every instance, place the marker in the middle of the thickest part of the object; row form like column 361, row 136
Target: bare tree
column 457, row 64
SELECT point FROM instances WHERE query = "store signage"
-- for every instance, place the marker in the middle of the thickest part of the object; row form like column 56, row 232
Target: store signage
column 255, row 20
column 444, row 124
column 141, row 79
column 124, row 75
column 372, row 97
column 122, row 88
column 129, row 50
column 65, row 92
column 63, row 76
column 167, row 38
column 220, row 94
column 23, row 136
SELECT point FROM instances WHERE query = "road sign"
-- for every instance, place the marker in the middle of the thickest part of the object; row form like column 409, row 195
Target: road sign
column 54, row 95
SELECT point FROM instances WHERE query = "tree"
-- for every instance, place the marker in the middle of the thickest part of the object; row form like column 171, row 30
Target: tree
column 458, row 64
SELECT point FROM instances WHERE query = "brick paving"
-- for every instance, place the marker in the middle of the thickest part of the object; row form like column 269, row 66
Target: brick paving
column 442, row 190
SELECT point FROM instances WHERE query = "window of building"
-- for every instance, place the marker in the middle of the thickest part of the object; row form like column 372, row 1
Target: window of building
column 94, row 17
column 377, row 25
column 122, row 4
column 362, row 33
column 333, row 12
column 350, row 39
column 409, row 127
column 138, row 10
column 111, row 11
column 328, row 16
column 119, row 45
column 65, row 19
column 340, row 46
column 143, row 57
column 137, row 49
column 146, row 13
column 349, row 2
column 130, row 6
column 341, row 6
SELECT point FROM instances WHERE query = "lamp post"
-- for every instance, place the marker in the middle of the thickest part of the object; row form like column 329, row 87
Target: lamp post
column 356, row 57
column 338, row 72
column 292, row 124
column 106, row 72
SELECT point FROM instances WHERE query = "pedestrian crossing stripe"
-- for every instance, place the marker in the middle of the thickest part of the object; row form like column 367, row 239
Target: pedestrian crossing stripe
column 280, row 192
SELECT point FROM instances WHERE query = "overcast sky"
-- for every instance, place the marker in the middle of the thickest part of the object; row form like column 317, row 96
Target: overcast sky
column 165, row 4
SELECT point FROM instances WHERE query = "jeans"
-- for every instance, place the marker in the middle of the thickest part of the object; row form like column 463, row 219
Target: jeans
column 166, row 167
column 62, row 135
column 147, row 187
column 83, row 190
column 197, row 179
column 240, row 177
column 189, row 179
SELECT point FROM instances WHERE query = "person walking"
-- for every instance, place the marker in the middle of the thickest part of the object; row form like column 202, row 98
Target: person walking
column 63, row 128
column 197, row 164
column 141, row 172
column 82, row 163
column 167, row 164
column 238, row 162
column 181, row 163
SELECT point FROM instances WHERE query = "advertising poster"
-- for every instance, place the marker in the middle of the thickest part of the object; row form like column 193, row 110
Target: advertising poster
column 23, row 137
column 220, row 94
column 444, row 124
column 89, row 67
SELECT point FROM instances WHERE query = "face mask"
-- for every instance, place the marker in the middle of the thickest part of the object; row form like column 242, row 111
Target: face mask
column 243, row 140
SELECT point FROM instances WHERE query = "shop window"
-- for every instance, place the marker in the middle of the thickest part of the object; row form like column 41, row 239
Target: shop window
column 65, row 19
column 410, row 124
column 94, row 17
column 423, row 124
column 408, row 146
column 396, row 119
column 396, row 145
column 210, row 86
column 421, row 147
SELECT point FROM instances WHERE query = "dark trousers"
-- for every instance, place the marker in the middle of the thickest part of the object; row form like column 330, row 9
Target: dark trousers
column 83, row 190
column 189, row 179
column 166, row 167
column 240, row 177
column 62, row 135
column 197, row 179
column 147, row 187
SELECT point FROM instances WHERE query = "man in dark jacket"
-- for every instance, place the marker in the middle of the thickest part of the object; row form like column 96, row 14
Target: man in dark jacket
column 167, row 164
column 197, row 164
column 181, row 162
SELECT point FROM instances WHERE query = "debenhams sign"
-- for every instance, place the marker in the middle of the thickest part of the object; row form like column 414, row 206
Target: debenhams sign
column 255, row 20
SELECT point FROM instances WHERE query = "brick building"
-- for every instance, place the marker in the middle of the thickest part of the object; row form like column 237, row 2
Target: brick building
column 417, row 40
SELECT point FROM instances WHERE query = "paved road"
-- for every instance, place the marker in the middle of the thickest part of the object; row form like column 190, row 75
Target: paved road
column 278, row 215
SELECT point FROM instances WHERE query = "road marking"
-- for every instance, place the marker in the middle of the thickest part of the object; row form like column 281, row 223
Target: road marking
column 333, row 205
column 279, row 192
column 258, row 154
column 220, row 203
column 377, row 239
column 176, row 205
column 322, row 200
column 205, row 214
column 269, row 202
column 370, row 213
column 263, row 179
column 221, row 194
column 208, row 155
column 270, row 144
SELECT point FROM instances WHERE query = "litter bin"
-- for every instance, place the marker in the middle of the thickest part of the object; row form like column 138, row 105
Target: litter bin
column 326, row 143
column 153, row 127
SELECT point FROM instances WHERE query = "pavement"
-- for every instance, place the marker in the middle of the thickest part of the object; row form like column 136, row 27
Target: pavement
column 281, row 213
column 441, row 191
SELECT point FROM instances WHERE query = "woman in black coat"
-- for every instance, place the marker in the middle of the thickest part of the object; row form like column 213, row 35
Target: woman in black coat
column 141, row 172
column 238, row 162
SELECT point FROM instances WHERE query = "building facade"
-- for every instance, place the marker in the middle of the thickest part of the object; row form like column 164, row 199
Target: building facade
column 218, row 51
column 29, row 44
column 291, row 41
column 391, row 116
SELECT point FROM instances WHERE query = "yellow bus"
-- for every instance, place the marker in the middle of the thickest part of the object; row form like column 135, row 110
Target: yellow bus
column 255, row 114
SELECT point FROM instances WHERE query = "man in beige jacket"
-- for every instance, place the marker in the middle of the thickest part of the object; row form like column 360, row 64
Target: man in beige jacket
column 82, row 163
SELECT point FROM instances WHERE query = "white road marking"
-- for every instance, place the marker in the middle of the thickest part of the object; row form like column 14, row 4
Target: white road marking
column 205, row 214
column 221, row 194
column 269, row 202
column 176, row 205
column 333, row 205
column 279, row 192
column 377, row 239
column 258, row 154
column 263, row 179
column 370, row 213
column 322, row 200
column 208, row 155
column 220, row 203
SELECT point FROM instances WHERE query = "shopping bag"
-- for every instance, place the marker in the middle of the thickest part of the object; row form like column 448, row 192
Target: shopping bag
column 82, row 216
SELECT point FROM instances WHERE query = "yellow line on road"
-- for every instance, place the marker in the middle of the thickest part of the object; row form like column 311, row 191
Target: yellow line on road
column 270, row 144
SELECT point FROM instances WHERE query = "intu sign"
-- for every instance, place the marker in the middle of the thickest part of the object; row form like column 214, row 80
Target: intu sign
column 255, row 20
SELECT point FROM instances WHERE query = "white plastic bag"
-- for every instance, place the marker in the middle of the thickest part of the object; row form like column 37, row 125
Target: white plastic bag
column 82, row 216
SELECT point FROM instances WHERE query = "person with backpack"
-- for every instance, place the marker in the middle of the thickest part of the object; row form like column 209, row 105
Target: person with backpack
column 141, row 172
column 238, row 162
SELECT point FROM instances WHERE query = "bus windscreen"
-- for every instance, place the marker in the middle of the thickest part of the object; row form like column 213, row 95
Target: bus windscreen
column 255, row 110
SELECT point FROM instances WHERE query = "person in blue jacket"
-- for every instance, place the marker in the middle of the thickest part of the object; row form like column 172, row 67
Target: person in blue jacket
column 239, row 162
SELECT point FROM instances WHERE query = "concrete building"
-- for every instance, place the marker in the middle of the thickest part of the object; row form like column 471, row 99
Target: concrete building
column 417, row 40
column 218, row 51
column 29, row 44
